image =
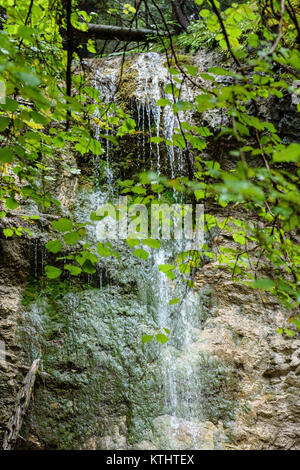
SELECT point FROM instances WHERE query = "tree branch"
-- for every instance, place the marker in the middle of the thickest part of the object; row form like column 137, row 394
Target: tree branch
column 221, row 22
column 22, row 403
column 108, row 32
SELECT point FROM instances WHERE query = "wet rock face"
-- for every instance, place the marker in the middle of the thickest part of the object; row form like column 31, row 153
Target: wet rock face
column 286, row 118
column 97, row 371
column 102, row 389
column 224, row 380
column 13, row 266
column 266, row 364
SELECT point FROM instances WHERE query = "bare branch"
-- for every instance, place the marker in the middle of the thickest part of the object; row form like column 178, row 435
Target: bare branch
column 101, row 31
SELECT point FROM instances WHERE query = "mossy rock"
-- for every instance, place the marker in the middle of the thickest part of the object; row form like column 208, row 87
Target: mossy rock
column 217, row 383
column 127, row 86
column 181, row 60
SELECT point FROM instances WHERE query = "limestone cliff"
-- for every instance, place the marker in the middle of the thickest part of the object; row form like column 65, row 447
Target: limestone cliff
column 225, row 380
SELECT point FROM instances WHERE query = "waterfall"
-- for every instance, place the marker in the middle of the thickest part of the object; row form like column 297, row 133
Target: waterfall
column 182, row 411
column 106, row 82
column 181, row 387
column 123, row 393
column 152, row 77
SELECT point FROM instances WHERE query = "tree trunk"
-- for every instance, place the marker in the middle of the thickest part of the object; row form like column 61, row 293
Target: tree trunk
column 179, row 14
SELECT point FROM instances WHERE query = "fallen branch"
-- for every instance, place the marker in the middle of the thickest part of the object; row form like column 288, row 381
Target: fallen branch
column 108, row 32
column 22, row 403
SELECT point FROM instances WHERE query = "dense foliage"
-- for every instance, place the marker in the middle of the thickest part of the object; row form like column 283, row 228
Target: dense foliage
column 40, row 121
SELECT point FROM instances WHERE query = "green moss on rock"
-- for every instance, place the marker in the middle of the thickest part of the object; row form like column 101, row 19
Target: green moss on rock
column 127, row 86
column 181, row 60
column 217, row 381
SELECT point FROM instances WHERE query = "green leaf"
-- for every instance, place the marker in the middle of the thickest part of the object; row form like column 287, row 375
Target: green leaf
column 147, row 338
column 133, row 242
column 199, row 193
column 6, row 155
column 289, row 332
column 290, row 154
column 157, row 188
column 94, row 216
column 10, row 105
column 88, row 267
column 151, row 242
column 25, row 32
column 74, row 270
column 141, row 253
column 161, row 338
column 4, row 122
column 91, row 47
column 171, row 89
column 130, row 124
column 296, row 321
column 163, row 102
column 206, row 76
column 219, row 71
column 8, row 232
column 204, row 102
column 181, row 106
column 197, row 142
column 167, row 269
column 264, row 283
column 72, row 238
column 239, row 238
column 253, row 40
column 95, row 147
column 205, row 13
column 192, row 70
column 28, row 78
column 174, row 301
column 11, row 203
column 39, row 118
column 157, row 140
column 138, row 190
column 179, row 141
column 173, row 71
column 103, row 250
column 54, row 246
column 52, row 272
column 62, row 225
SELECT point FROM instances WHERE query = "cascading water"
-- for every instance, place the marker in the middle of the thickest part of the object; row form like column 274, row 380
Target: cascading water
column 178, row 362
column 151, row 79
column 182, row 396
column 106, row 85
column 117, row 392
